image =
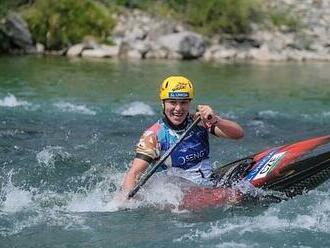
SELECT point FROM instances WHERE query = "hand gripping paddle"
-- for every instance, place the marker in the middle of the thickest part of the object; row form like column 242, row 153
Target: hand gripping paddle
column 145, row 178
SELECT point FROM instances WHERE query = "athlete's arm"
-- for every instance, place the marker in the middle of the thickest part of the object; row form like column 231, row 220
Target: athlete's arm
column 227, row 129
column 132, row 176
column 146, row 152
column 219, row 126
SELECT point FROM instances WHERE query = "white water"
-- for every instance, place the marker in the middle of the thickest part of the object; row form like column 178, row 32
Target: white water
column 74, row 108
column 136, row 108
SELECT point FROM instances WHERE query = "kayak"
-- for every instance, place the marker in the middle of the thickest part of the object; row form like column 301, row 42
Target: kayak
column 285, row 171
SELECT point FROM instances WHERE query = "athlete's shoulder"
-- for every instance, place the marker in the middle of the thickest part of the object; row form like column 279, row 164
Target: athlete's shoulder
column 154, row 128
column 147, row 147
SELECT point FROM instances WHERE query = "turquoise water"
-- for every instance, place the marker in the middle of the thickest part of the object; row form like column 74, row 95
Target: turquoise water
column 67, row 135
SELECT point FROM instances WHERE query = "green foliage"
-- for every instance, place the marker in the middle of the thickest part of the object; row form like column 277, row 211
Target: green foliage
column 59, row 23
column 283, row 18
column 7, row 5
column 207, row 16
column 212, row 16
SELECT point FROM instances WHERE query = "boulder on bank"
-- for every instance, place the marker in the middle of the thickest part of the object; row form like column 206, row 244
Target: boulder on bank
column 95, row 51
column 189, row 45
column 15, row 33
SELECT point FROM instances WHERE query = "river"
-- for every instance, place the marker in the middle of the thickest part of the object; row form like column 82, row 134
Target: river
column 67, row 134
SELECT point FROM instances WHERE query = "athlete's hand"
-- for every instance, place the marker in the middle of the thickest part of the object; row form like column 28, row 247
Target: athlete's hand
column 207, row 114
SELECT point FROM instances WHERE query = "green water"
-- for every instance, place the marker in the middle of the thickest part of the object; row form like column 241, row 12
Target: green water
column 67, row 134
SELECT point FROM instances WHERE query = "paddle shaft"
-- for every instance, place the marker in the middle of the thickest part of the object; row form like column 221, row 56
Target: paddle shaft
column 162, row 159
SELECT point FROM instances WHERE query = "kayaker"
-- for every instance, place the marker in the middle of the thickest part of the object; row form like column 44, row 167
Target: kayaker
column 190, row 160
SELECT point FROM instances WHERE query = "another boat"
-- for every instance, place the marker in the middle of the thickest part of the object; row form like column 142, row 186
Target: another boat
column 285, row 171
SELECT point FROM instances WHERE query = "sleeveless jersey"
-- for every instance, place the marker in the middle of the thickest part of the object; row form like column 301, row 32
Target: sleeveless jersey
column 190, row 159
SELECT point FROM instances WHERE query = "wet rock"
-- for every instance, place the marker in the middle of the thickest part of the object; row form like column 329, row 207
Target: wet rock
column 190, row 45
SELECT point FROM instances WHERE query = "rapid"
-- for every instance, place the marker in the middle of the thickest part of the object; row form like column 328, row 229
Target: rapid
column 67, row 134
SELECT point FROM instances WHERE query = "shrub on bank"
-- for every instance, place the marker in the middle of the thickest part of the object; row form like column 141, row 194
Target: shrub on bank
column 60, row 23
column 207, row 16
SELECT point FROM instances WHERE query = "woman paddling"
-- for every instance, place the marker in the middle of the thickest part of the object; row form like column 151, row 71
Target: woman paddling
column 190, row 158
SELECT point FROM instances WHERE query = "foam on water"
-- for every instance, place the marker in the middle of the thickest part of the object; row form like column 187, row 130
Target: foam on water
column 12, row 101
column 163, row 193
column 160, row 193
column 273, row 220
column 15, row 199
column 269, row 114
column 69, row 107
column 49, row 154
column 136, row 108
column 233, row 244
column 326, row 114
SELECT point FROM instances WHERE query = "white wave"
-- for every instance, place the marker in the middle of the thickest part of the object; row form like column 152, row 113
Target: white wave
column 315, row 218
column 325, row 114
column 12, row 101
column 49, row 154
column 256, row 123
column 50, row 217
column 233, row 244
column 316, row 116
column 163, row 193
column 269, row 113
column 157, row 192
column 136, row 108
column 69, row 107
column 98, row 199
column 15, row 199
column 230, row 115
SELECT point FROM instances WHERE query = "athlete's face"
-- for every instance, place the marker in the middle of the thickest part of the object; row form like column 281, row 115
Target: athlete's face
column 176, row 110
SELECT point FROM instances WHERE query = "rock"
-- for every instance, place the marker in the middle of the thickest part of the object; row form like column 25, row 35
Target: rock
column 219, row 52
column 75, row 50
column 260, row 54
column 134, row 54
column 90, row 42
column 102, row 52
column 141, row 46
column 224, row 54
column 190, row 45
column 16, row 30
column 174, row 55
column 40, row 48
column 156, row 54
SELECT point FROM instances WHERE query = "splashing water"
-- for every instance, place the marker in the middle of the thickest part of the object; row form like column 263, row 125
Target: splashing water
column 12, row 101
column 136, row 108
column 69, row 107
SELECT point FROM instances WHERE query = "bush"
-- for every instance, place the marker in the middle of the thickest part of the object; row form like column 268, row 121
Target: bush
column 60, row 23
column 7, row 5
column 280, row 18
column 207, row 16
column 211, row 16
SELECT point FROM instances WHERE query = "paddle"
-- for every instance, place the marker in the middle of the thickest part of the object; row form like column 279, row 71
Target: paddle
column 162, row 159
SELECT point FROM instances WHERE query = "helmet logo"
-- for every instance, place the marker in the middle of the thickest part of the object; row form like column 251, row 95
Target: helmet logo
column 180, row 86
column 178, row 94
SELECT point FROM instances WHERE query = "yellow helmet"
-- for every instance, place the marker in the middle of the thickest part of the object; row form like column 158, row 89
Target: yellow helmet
column 176, row 87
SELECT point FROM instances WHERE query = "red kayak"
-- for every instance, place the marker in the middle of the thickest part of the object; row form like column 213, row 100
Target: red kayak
column 289, row 169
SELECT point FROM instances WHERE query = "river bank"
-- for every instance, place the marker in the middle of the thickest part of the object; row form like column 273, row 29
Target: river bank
column 140, row 35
